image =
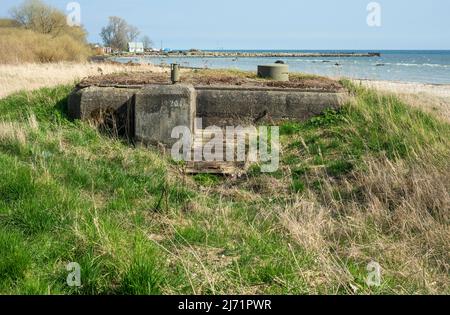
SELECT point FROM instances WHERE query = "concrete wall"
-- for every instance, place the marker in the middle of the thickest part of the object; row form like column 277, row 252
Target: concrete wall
column 86, row 103
column 159, row 109
column 222, row 106
column 150, row 113
column 111, row 108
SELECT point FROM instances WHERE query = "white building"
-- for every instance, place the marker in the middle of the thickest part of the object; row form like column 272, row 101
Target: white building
column 136, row 47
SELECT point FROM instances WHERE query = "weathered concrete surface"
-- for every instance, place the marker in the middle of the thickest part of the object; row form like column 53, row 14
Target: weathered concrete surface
column 222, row 106
column 160, row 108
column 112, row 109
column 88, row 102
column 277, row 72
column 150, row 113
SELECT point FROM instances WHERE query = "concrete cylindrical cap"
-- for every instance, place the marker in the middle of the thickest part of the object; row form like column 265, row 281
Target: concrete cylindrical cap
column 278, row 72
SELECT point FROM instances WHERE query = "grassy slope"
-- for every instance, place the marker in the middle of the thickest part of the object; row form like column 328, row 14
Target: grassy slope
column 367, row 183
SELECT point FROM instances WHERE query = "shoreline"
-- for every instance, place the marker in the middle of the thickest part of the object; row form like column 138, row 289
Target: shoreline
column 218, row 54
column 431, row 97
column 337, row 75
column 394, row 82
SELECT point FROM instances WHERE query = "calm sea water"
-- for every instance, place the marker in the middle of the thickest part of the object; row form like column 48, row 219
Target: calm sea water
column 408, row 66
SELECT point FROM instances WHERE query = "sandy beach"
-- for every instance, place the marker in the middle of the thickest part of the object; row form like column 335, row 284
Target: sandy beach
column 434, row 98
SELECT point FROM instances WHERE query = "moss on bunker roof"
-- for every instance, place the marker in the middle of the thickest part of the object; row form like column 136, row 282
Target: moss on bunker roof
column 206, row 77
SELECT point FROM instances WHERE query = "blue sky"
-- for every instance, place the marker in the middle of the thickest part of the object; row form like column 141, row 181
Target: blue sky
column 269, row 24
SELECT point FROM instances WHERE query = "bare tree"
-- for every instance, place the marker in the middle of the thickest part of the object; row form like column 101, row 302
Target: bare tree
column 148, row 43
column 118, row 33
column 39, row 17
column 132, row 33
column 115, row 33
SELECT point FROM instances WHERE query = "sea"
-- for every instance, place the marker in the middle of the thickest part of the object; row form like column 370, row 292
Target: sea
column 420, row 66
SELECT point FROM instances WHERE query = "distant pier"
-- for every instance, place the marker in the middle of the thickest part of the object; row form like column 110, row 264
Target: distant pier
column 233, row 54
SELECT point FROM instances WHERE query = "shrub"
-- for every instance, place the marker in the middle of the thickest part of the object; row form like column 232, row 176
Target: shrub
column 20, row 46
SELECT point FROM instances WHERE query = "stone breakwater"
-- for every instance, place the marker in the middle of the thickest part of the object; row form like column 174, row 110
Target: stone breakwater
column 205, row 54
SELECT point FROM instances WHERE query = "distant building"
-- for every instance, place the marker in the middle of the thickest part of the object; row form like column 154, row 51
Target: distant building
column 136, row 47
column 107, row 50
column 100, row 50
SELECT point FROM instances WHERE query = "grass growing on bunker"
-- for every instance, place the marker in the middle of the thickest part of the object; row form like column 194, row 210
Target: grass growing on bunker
column 366, row 183
column 214, row 77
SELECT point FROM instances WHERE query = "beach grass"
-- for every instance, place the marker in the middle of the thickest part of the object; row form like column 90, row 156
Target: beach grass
column 19, row 45
column 31, row 76
column 366, row 183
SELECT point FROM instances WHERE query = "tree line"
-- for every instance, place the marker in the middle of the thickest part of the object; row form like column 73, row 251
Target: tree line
column 36, row 32
column 37, row 16
column 118, row 33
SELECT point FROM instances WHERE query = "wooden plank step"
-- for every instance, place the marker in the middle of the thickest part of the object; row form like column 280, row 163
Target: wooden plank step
column 223, row 168
column 206, row 136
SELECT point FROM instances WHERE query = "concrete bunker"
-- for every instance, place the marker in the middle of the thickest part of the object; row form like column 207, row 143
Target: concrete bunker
column 148, row 108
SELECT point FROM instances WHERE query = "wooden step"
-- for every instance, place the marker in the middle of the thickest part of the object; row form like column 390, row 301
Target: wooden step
column 220, row 168
column 223, row 168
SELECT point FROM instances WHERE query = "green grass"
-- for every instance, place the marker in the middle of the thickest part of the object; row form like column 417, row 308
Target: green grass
column 70, row 194
column 374, row 125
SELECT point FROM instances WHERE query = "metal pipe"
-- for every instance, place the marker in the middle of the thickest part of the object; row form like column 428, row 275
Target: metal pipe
column 175, row 73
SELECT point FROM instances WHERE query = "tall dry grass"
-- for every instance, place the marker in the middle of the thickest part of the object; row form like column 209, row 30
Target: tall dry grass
column 30, row 76
column 392, row 208
column 21, row 46
column 397, row 215
column 12, row 131
column 433, row 98
column 138, row 225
